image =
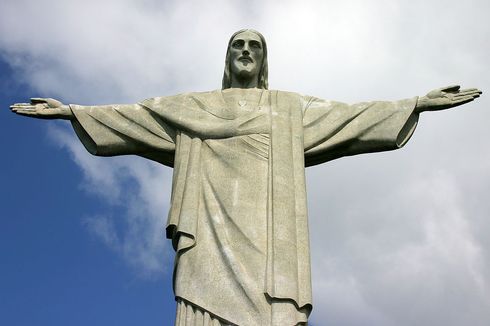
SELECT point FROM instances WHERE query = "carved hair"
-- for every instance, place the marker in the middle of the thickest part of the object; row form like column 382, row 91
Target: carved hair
column 263, row 77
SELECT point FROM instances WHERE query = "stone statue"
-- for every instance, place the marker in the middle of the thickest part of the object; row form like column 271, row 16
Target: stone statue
column 238, row 219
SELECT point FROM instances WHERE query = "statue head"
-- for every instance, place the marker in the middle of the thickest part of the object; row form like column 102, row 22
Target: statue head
column 244, row 59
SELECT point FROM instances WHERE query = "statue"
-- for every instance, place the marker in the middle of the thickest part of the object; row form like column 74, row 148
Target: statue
column 238, row 219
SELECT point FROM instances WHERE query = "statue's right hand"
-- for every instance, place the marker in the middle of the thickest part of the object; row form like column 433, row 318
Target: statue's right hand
column 43, row 108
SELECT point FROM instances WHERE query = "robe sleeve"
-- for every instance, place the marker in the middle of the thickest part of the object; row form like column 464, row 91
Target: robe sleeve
column 110, row 130
column 333, row 129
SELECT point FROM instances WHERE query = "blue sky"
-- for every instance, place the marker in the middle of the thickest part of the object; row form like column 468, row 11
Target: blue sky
column 397, row 238
column 53, row 271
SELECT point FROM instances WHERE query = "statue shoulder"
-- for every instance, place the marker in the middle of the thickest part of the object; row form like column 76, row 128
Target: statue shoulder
column 294, row 95
column 304, row 100
column 182, row 98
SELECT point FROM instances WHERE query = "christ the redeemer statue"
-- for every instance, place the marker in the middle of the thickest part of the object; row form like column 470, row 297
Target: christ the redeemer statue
column 238, row 219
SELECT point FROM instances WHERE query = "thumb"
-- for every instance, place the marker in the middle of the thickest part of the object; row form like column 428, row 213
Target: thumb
column 53, row 103
column 451, row 88
column 38, row 100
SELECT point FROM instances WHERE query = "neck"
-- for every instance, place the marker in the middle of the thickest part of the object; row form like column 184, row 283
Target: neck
column 244, row 83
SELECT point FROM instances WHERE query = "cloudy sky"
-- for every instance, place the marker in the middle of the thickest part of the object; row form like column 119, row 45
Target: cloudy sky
column 398, row 238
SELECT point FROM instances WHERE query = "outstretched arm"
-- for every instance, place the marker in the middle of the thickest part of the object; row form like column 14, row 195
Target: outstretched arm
column 43, row 108
column 445, row 98
column 333, row 129
column 108, row 130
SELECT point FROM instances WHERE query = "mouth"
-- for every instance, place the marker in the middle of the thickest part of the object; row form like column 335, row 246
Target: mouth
column 245, row 59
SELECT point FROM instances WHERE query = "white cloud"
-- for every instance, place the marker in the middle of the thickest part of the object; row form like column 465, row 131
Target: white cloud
column 407, row 253
column 397, row 238
column 139, row 191
column 103, row 227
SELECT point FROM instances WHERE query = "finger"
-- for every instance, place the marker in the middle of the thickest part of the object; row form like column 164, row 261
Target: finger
column 472, row 89
column 17, row 108
column 38, row 100
column 463, row 100
column 28, row 107
column 26, row 112
column 25, row 109
column 469, row 90
column 470, row 93
column 36, row 114
column 21, row 104
column 451, row 88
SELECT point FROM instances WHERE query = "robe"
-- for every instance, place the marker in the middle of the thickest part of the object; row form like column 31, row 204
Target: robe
column 238, row 214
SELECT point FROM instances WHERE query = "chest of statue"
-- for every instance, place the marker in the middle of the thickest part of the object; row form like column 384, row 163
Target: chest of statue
column 239, row 101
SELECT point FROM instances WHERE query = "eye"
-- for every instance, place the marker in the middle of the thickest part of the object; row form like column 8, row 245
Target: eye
column 237, row 44
column 255, row 45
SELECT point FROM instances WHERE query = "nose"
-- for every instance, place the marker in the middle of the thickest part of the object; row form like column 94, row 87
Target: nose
column 246, row 49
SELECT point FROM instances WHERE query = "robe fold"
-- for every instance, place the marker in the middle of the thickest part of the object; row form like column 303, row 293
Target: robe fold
column 238, row 215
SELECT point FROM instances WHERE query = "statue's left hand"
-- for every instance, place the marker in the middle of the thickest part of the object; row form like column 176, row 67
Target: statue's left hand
column 445, row 98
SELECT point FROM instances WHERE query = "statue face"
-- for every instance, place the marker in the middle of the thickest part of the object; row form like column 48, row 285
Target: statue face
column 246, row 54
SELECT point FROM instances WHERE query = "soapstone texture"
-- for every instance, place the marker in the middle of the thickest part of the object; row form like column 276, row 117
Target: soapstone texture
column 238, row 219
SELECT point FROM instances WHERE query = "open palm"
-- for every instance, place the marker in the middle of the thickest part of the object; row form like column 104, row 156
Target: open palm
column 446, row 97
column 43, row 108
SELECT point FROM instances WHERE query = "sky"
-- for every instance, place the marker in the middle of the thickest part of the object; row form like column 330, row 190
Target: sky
column 397, row 238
